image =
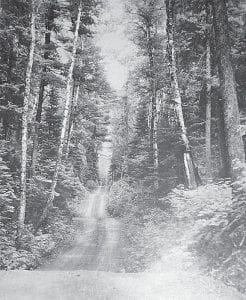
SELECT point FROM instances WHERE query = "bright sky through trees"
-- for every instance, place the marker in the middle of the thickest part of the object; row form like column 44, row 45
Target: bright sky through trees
column 115, row 46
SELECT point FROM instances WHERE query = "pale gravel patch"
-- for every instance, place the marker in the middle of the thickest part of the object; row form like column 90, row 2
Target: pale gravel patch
column 24, row 285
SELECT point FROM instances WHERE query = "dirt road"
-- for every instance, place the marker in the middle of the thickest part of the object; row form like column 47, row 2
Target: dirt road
column 96, row 246
column 90, row 270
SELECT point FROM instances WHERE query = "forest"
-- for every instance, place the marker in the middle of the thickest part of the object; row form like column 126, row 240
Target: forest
column 176, row 129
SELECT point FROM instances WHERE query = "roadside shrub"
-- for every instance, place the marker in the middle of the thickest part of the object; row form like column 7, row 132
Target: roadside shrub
column 144, row 216
column 222, row 242
column 121, row 197
column 55, row 232
column 34, row 249
column 216, row 215
column 91, row 185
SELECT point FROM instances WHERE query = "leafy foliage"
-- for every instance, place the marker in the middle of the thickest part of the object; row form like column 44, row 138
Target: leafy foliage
column 144, row 216
column 85, row 133
column 216, row 219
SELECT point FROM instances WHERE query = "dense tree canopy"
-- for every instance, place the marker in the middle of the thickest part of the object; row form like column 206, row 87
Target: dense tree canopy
column 54, row 31
column 178, row 121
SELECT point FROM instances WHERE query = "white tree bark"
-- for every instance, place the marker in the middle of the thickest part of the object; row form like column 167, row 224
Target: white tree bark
column 153, row 109
column 208, row 104
column 126, row 134
column 22, row 207
column 208, row 116
column 70, row 130
column 188, row 162
column 155, row 146
column 64, row 121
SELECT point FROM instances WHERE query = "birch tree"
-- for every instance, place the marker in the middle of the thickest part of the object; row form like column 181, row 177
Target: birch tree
column 153, row 102
column 188, row 161
column 64, row 121
column 71, row 121
column 208, row 95
column 24, row 140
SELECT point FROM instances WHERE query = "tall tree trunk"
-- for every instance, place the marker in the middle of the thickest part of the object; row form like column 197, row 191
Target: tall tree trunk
column 153, row 116
column 234, row 143
column 64, row 121
column 22, row 208
column 208, row 99
column 188, row 161
column 71, row 123
column 126, row 133
column 49, row 24
column 225, row 165
column 155, row 146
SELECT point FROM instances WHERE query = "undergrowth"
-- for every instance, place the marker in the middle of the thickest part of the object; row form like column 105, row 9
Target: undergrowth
column 56, row 232
column 144, row 217
column 217, row 217
column 34, row 248
column 214, row 216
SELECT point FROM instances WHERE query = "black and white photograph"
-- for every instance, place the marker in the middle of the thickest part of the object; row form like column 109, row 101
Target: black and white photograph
column 122, row 149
